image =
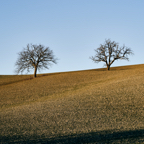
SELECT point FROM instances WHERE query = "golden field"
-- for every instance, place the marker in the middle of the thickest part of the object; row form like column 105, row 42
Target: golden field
column 90, row 106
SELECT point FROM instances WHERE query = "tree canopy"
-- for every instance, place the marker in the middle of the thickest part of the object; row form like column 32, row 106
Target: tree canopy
column 34, row 57
column 111, row 51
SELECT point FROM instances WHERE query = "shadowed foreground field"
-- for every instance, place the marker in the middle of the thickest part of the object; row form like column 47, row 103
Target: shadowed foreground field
column 94, row 106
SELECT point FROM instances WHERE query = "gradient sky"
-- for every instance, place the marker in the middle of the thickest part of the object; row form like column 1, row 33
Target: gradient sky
column 72, row 29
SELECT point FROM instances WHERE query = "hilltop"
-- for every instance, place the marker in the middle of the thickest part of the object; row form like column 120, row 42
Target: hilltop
column 74, row 107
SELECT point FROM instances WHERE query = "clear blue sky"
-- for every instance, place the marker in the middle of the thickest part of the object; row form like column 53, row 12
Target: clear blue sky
column 71, row 28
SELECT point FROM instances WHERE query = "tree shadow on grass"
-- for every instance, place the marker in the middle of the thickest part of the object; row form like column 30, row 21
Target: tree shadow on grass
column 102, row 137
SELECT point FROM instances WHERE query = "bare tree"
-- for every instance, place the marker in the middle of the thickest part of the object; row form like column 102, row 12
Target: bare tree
column 34, row 57
column 111, row 51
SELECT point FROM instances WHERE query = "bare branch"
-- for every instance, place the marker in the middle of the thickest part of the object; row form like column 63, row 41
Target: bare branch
column 34, row 57
column 110, row 51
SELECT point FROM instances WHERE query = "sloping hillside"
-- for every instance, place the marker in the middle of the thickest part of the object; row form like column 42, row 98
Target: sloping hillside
column 74, row 107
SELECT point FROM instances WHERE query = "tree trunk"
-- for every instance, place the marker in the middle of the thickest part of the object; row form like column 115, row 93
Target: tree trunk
column 108, row 67
column 35, row 71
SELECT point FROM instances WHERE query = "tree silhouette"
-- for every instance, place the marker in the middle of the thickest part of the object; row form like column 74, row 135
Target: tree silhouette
column 111, row 51
column 34, row 57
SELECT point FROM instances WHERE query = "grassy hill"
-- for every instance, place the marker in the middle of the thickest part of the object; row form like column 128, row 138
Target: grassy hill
column 91, row 106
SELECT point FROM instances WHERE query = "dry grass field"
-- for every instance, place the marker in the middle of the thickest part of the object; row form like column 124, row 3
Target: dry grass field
column 91, row 106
